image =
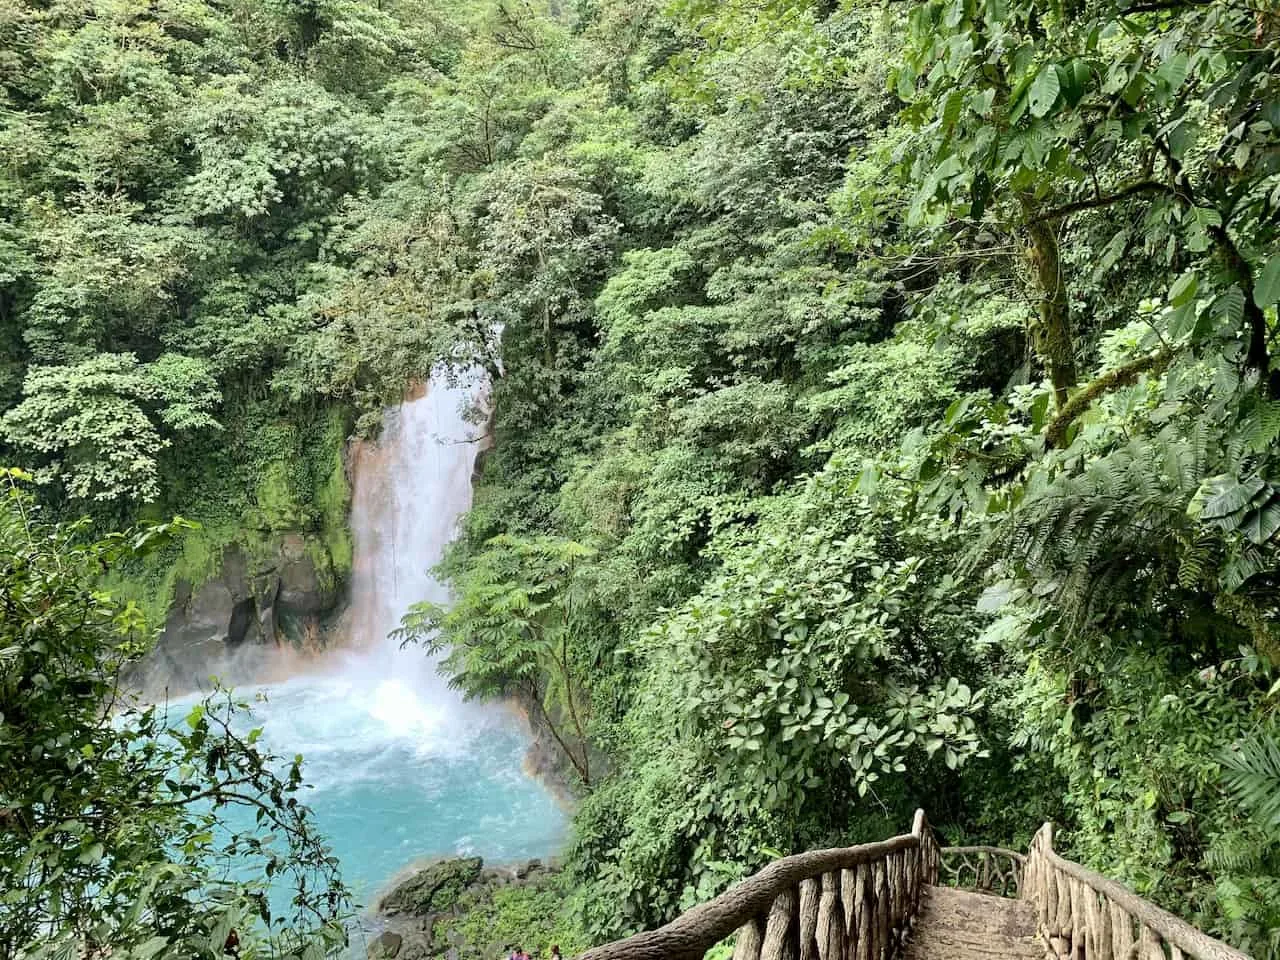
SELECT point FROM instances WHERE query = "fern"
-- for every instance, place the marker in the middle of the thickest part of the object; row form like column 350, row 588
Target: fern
column 1197, row 553
column 1096, row 534
column 1262, row 429
column 1235, row 853
column 1252, row 775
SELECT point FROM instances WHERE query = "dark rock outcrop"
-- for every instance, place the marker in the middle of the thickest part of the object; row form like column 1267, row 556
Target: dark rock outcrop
column 229, row 625
column 433, row 889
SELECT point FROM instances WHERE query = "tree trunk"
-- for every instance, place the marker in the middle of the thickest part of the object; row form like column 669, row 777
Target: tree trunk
column 573, row 713
column 535, row 696
column 1051, row 333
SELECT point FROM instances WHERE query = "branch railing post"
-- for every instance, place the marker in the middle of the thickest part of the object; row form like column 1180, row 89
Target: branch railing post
column 860, row 903
column 1081, row 915
column 989, row 869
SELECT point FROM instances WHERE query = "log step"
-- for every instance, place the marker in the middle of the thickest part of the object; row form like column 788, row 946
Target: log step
column 961, row 925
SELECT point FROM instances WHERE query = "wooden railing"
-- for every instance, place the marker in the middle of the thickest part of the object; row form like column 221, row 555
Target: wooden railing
column 850, row 903
column 1082, row 915
column 989, row 869
column 859, row 903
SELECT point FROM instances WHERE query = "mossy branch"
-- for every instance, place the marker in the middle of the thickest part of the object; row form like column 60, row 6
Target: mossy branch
column 1121, row 376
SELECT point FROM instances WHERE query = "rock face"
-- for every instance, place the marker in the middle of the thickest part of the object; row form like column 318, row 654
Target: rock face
column 386, row 945
column 230, row 624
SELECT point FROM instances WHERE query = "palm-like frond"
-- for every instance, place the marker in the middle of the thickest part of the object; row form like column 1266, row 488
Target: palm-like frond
column 1236, row 852
column 1252, row 775
column 1093, row 534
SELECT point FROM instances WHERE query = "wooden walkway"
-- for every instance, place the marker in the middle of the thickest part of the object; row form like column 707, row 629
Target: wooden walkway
column 962, row 925
column 907, row 898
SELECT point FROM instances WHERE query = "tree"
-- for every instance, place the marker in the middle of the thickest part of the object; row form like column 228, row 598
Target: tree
column 116, row 830
column 545, row 234
column 521, row 624
column 1031, row 116
column 98, row 423
column 885, row 402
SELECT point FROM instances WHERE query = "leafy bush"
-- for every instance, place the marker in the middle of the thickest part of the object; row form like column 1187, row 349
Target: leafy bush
column 116, row 831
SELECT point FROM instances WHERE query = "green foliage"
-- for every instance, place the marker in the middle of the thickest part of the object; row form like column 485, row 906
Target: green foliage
column 100, row 420
column 273, row 476
column 531, row 915
column 883, row 400
column 116, row 835
column 908, row 376
column 522, row 625
column 184, row 179
column 1253, row 775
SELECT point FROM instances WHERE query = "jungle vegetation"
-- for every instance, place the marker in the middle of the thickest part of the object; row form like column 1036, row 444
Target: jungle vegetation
column 884, row 395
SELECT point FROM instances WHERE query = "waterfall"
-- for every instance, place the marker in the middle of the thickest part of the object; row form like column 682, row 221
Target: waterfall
column 410, row 488
column 401, row 767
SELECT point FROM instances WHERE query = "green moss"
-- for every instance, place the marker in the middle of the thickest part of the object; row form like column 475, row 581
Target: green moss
column 434, row 888
column 274, row 472
column 533, row 916
column 318, row 553
column 279, row 501
column 341, row 550
column 152, row 582
column 333, row 497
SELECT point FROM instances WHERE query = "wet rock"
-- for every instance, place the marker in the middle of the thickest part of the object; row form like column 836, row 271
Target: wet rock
column 387, row 945
column 225, row 625
column 304, row 588
column 433, row 889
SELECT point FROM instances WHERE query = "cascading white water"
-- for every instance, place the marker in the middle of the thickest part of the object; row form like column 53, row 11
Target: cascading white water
column 402, row 768
column 410, row 489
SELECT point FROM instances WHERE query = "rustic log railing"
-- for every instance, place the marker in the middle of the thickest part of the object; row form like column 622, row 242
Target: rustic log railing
column 989, row 869
column 849, row 903
column 1082, row 915
column 859, row 903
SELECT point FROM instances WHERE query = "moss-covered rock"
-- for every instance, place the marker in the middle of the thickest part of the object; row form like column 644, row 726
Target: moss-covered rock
column 268, row 563
column 433, row 889
column 259, row 598
column 461, row 910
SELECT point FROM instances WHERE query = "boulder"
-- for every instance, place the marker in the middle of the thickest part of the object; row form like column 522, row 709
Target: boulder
column 528, row 869
column 385, row 946
column 433, row 889
column 430, row 908
column 304, row 589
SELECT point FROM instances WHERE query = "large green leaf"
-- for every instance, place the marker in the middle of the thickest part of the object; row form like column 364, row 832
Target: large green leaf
column 1228, row 307
column 1173, row 71
column 1261, row 524
column 1253, row 776
column 1266, row 290
column 1044, row 90
column 1183, row 289
column 1225, row 495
